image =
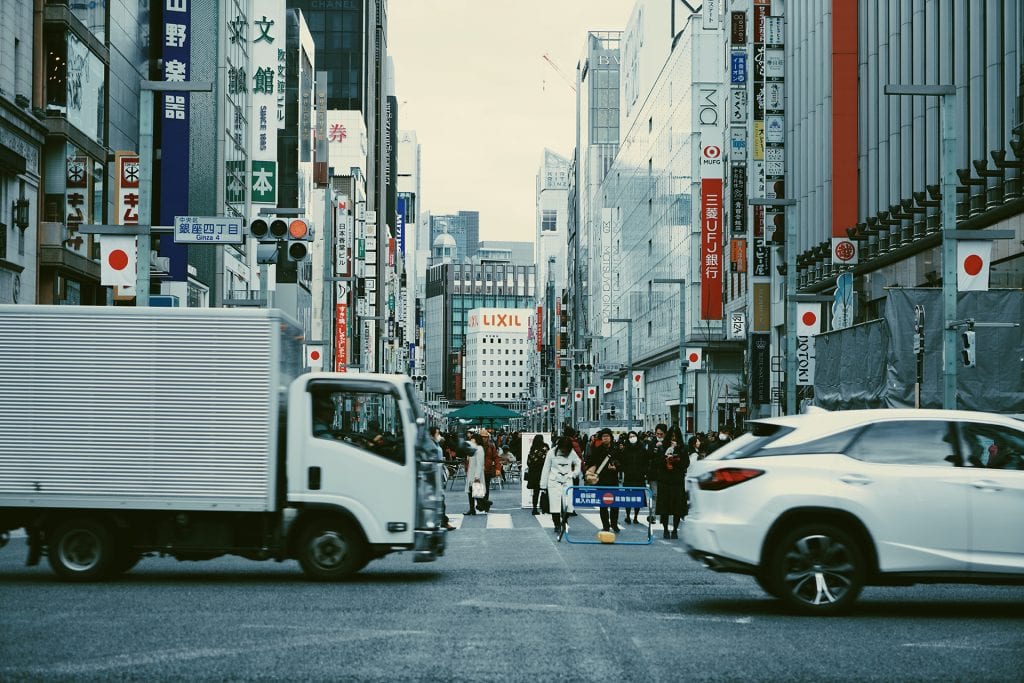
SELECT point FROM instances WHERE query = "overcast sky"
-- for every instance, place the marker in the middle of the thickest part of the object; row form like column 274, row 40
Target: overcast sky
column 473, row 84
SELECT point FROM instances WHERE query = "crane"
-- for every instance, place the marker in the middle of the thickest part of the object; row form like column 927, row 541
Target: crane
column 571, row 83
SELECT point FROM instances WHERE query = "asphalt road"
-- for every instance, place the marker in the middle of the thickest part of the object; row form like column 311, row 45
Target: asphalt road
column 507, row 603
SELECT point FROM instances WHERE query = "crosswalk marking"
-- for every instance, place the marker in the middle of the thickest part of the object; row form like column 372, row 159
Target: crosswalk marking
column 499, row 521
column 583, row 521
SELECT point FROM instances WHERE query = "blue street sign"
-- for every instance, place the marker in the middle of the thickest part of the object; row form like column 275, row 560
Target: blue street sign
column 609, row 496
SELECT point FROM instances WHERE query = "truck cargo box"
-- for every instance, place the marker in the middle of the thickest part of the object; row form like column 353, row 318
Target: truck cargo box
column 142, row 408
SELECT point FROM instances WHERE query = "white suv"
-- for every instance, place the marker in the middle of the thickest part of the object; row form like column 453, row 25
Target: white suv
column 817, row 506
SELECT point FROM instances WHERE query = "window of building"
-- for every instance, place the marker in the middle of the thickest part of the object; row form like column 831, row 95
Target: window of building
column 549, row 220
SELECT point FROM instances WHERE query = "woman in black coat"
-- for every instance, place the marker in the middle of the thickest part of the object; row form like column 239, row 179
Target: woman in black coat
column 534, row 466
column 670, row 471
column 634, row 469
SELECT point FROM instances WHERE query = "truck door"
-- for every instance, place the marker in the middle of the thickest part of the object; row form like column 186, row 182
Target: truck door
column 354, row 455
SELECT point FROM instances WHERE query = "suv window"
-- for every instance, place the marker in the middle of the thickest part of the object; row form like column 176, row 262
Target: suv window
column 906, row 442
column 992, row 446
column 750, row 444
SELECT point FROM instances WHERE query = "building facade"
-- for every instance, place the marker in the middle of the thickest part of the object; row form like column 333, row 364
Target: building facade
column 498, row 355
column 453, row 289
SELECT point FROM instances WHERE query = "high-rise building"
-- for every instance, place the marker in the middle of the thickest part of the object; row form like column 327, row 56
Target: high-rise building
column 498, row 353
column 453, row 290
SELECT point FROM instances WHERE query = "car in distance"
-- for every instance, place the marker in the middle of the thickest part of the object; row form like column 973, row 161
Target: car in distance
column 817, row 506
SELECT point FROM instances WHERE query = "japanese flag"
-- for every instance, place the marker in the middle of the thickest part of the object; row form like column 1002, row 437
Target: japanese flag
column 577, row 395
column 695, row 358
column 607, row 384
column 562, row 400
column 551, row 405
column 972, row 261
column 591, row 392
column 314, row 357
column 808, row 319
column 638, row 378
column 117, row 265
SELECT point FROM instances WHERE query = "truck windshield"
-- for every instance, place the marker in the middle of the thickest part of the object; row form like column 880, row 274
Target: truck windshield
column 370, row 420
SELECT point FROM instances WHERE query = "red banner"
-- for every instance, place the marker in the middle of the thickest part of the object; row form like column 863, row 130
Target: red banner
column 341, row 338
column 540, row 329
column 711, row 248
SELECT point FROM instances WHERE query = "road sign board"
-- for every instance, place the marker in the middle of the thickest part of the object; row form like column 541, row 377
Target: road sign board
column 207, row 230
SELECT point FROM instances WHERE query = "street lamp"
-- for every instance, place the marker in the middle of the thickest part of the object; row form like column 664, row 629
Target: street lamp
column 682, row 344
column 948, row 118
column 629, row 368
column 790, row 247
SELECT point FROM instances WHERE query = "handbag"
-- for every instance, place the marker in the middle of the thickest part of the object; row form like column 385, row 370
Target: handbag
column 545, row 507
column 478, row 490
column 593, row 473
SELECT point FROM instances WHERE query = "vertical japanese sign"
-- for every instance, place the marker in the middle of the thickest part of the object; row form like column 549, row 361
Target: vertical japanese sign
column 341, row 337
column 709, row 114
column 760, row 368
column 540, row 329
column 266, row 34
column 176, row 40
column 76, row 200
column 342, row 236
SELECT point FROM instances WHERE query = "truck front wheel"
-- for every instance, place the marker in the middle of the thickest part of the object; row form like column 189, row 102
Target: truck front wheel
column 329, row 550
column 81, row 550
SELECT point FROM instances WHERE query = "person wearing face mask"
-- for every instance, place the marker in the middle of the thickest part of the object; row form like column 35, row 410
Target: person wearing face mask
column 670, row 470
column 656, row 450
column 633, row 460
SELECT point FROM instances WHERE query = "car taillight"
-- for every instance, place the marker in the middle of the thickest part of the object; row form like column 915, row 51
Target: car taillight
column 716, row 480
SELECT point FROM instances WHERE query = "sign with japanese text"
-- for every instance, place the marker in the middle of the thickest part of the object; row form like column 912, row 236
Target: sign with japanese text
column 607, row 496
column 341, row 337
column 207, row 230
column 176, row 46
column 738, row 200
column 738, row 106
column 265, row 83
column 760, row 368
column 738, row 68
column 711, row 249
column 738, row 28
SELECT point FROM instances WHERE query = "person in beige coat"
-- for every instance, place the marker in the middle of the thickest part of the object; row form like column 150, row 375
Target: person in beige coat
column 561, row 469
column 474, row 469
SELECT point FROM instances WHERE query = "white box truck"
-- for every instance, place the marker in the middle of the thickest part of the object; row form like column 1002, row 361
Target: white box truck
column 195, row 433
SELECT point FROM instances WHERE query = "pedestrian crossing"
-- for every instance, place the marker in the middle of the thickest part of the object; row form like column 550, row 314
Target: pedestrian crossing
column 501, row 520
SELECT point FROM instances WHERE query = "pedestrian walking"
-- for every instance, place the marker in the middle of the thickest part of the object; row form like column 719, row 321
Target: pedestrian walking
column 604, row 465
column 634, row 470
column 534, row 467
column 474, row 469
column 561, row 467
column 670, row 469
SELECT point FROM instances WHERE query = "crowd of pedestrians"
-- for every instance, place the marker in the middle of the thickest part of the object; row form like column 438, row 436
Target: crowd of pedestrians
column 656, row 459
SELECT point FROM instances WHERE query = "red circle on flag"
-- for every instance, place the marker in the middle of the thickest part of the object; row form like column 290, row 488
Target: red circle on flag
column 314, row 355
column 608, row 498
column 636, row 378
column 973, row 264
column 809, row 318
column 118, row 259
column 693, row 357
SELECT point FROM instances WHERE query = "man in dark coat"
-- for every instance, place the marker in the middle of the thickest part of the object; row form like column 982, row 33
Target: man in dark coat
column 603, row 459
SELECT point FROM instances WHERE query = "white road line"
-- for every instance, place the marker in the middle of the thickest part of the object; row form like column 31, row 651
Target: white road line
column 697, row 617
column 499, row 521
column 455, row 521
column 956, row 645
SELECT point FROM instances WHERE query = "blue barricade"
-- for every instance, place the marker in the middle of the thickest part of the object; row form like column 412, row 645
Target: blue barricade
column 631, row 497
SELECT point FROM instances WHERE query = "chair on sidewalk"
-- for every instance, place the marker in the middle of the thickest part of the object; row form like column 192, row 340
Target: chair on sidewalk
column 460, row 473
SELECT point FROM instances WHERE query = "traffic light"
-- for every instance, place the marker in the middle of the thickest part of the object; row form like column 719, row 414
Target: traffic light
column 266, row 247
column 967, row 348
column 299, row 236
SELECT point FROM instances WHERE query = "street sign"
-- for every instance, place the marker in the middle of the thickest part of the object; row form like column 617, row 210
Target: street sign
column 207, row 230
column 609, row 367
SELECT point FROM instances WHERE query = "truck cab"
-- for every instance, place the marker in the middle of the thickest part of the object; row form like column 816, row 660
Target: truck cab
column 352, row 438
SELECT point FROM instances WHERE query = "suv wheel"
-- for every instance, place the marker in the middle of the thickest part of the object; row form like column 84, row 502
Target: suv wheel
column 816, row 569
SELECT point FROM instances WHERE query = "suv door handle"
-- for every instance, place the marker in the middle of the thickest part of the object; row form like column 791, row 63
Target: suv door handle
column 986, row 485
column 858, row 479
